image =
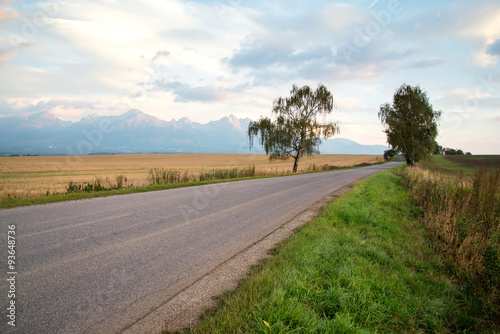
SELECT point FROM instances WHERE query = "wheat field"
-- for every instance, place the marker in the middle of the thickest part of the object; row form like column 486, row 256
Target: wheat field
column 28, row 176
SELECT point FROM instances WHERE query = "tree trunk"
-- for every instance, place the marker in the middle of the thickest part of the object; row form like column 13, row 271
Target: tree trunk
column 295, row 164
column 297, row 157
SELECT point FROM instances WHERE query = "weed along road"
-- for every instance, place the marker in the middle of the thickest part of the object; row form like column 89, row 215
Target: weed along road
column 102, row 265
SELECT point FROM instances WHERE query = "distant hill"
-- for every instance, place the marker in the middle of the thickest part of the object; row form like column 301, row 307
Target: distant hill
column 347, row 146
column 138, row 132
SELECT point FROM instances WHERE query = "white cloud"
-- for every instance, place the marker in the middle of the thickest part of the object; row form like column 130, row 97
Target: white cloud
column 66, row 108
column 209, row 59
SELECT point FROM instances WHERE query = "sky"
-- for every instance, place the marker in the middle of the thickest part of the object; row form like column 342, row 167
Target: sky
column 208, row 59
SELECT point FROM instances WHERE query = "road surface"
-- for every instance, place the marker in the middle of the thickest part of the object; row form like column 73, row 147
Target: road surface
column 100, row 265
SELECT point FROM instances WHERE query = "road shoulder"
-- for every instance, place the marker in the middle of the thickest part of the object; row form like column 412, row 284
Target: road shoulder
column 185, row 308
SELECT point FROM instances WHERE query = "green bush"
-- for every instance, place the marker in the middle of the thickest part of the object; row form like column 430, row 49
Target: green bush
column 389, row 154
column 97, row 185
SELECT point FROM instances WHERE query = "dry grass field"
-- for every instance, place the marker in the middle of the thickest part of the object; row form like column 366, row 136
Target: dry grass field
column 34, row 176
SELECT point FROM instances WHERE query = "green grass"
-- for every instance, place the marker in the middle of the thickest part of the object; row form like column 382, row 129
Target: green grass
column 364, row 265
column 467, row 164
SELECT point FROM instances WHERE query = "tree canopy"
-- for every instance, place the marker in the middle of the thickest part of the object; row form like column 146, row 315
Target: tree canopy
column 410, row 123
column 296, row 131
column 390, row 153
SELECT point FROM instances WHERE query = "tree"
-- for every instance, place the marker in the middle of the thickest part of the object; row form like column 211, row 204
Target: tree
column 296, row 130
column 438, row 150
column 410, row 123
column 450, row 151
column 390, row 153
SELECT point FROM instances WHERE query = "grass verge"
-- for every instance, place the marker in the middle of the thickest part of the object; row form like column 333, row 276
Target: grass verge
column 462, row 216
column 364, row 265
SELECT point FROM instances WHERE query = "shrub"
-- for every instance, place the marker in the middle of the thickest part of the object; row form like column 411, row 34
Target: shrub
column 221, row 174
column 161, row 175
column 98, row 185
column 389, row 154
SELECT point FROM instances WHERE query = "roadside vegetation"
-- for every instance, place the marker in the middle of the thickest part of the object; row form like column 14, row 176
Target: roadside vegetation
column 158, row 178
column 366, row 264
column 462, row 215
column 390, row 154
column 98, row 185
column 162, row 175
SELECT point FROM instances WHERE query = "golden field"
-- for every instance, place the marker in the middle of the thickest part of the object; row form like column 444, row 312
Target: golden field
column 34, row 176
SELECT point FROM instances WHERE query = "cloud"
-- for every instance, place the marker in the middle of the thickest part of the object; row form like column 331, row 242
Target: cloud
column 494, row 48
column 159, row 54
column 271, row 60
column 239, row 88
column 237, row 55
column 65, row 107
column 276, row 59
column 187, row 93
column 6, row 13
column 491, row 103
column 324, row 44
column 5, row 56
column 191, row 34
column 426, row 63
column 260, row 53
column 472, row 32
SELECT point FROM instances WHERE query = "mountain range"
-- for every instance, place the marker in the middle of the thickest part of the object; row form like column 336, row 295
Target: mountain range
column 137, row 132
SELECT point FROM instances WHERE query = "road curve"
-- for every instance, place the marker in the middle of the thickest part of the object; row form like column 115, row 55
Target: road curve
column 100, row 265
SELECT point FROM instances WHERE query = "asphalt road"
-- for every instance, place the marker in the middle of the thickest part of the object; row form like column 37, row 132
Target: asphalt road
column 100, row 265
